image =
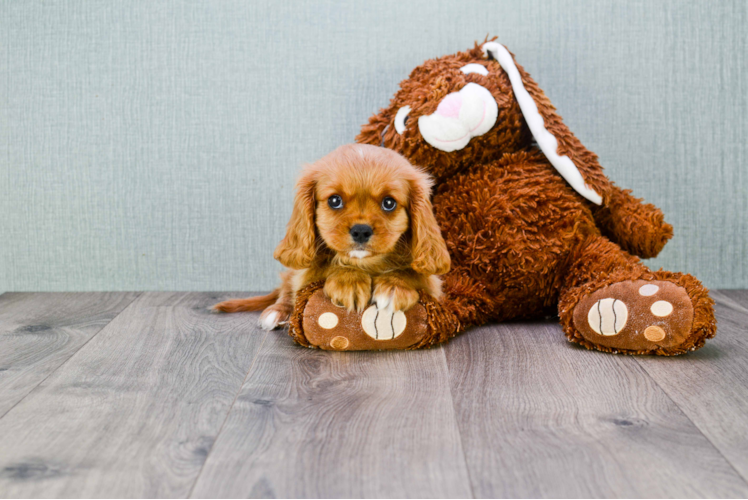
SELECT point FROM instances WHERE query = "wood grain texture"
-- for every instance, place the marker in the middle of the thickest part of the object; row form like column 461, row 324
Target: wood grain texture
column 542, row 418
column 135, row 412
column 711, row 385
column 311, row 423
column 41, row 331
column 169, row 400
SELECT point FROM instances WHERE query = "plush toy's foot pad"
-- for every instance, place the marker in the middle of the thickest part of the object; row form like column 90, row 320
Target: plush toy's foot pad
column 330, row 327
column 636, row 315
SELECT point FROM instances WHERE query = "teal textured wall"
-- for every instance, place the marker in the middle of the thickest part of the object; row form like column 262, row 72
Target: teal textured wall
column 153, row 145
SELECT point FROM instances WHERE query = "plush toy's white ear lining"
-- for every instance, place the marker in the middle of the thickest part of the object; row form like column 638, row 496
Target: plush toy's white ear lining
column 547, row 141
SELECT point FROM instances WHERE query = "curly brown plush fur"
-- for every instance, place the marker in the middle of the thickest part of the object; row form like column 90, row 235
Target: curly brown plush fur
column 523, row 242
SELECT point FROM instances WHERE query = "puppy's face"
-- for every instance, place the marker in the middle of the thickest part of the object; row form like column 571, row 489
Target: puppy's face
column 362, row 211
column 360, row 200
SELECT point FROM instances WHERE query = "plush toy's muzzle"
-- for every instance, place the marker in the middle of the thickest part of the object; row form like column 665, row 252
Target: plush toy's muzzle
column 460, row 116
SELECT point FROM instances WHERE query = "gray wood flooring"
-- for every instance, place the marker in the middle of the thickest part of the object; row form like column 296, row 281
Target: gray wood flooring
column 150, row 395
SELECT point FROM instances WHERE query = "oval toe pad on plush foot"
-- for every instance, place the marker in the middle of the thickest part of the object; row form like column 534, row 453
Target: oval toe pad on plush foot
column 637, row 315
column 330, row 327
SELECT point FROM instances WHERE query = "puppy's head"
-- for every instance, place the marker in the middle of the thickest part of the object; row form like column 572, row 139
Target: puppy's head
column 360, row 201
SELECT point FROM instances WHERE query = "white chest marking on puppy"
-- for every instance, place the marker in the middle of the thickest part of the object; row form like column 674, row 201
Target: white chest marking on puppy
column 359, row 254
column 547, row 141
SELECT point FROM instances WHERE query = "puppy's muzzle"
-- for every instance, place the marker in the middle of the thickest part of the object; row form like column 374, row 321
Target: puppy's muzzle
column 361, row 233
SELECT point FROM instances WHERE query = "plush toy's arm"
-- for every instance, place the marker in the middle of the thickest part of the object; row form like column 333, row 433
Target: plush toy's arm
column 637, row 227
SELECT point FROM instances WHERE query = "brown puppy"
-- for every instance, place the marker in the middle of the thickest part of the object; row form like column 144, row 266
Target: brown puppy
column 363, row 222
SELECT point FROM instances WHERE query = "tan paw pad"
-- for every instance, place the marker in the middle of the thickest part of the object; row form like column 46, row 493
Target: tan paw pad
column 339, row 343
column 654, row 333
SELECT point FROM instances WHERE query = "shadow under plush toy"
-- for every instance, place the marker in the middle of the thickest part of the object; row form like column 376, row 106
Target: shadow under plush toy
column 532, row 224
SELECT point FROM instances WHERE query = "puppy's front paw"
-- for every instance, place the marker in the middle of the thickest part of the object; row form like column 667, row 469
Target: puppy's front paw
column 393, row 295
column 349, row 290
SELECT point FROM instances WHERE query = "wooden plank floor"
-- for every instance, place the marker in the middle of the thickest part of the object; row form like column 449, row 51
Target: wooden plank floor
column 150, row 395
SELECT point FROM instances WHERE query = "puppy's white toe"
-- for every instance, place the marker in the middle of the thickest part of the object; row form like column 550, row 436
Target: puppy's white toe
column 382, row 300
column 269, row 321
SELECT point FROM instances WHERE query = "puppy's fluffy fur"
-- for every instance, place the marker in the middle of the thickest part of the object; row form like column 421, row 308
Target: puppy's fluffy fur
column 403, row 255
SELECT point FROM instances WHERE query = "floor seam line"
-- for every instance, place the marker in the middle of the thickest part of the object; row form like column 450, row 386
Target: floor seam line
column 457, row 423
column 664, row 391
column 84, row 344
column 728, row 299
column 228, row 413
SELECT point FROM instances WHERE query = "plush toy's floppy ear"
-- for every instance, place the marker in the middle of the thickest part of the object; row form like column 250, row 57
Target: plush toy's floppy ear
column 430, row 254
column 566, row 153
column 297, row 249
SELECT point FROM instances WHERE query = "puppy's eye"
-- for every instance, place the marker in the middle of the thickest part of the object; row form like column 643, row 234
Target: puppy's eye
column 335, row 202
column 401, row 118
column 388, row 204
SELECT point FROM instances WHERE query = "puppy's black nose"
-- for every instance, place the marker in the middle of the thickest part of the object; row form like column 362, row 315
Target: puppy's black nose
column 361, row 233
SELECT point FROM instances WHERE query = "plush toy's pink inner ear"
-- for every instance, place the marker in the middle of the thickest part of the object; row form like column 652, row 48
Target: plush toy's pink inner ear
column 546, row 141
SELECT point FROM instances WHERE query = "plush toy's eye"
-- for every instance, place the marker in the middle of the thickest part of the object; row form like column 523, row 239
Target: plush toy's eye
column 474, row 68
column 389, row 204
column 335, row 202
column 400, row 118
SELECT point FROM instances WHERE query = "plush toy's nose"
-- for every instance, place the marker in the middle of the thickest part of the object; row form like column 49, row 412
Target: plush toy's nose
column 450, row 106
column 459, row 117
column 361, row 233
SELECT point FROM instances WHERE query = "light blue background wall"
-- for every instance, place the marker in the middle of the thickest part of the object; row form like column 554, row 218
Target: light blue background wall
column 153, row 145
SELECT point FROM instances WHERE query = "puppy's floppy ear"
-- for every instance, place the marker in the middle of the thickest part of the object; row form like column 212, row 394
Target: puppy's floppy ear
column 297, row 249
column 574, row 162
column 430, row 254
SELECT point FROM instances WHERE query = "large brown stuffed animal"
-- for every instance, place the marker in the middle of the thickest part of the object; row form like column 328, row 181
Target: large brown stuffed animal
column 532, row 224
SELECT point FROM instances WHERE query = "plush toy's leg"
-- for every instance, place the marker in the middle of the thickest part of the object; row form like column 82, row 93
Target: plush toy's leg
column 612, row 302
column 316, row 322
